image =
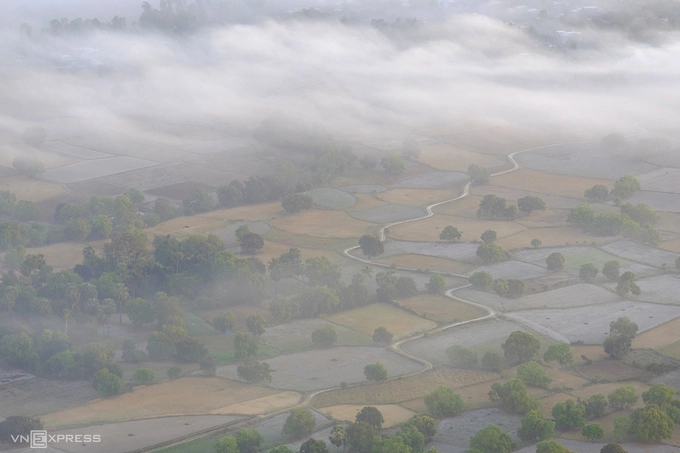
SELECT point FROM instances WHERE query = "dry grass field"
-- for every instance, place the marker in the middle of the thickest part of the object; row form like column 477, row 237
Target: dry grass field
column 549, row 401
column 417, row 197
column 262, row 405
column 392, row 413
column 275, row 249
column 366, row 319
column 593, row 353
column 551, row 237
column 366, row 201
column 184, row 396
column 65, row 255
column 30, row 189
column 658, row 337
column 444, row 156
column 324, row 224
column 427, row 262
column 542, row 182
column 441, row 309
column 465, row 207
column 471, row 229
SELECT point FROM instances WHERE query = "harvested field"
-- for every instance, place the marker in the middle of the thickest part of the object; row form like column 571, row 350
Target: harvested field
column 642, row 253
column 661, row 180
column 460, row 251
column 482, row 336
column 658, row 337
column 91, row 169
column 488, row 299
column 591, row 352
column 611, row 370
column 263, row 405
column 541, row 182
column 324, row 224
column 441, row 309
column 575, row 256
column 550, row 218
column 443, row 156
column 582, row 446
column 514, row 270
column 332, row 198
column 465, row 207
column 434, row 180
column 583, row 160
column 663, row 289
column 366, row 201
column 669, row 222
column 296, row 336
column 366, row 319
column 65, row 255
column 72, row 151
column 30, row 189
column 392, row 413
column 302, row 241
column 130, row 436
column 272, row 429
column 512, row 195
column 549, row 401
column 671, row 246
column 417, row 197
column 659, row 201
column 550, row 237
column 429, row 229
column 591, row 323
column 36, row 396
column 453, row 434
column 364, row 188
column 427, row 263
column 185, row 396
column 400, row 390
column 320, row 369
column 388, row 213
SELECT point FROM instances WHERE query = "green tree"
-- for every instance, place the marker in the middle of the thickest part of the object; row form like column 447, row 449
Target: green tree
column 529, row 204
column 144, row 376
column 393, row 164
column 592, row 431
column 613, row 448
column 491, row 361
column 249, row 440
column 107, row 384
column 492, row 439
column 489, row 236
column 597, row 193
column 535, row 427
column 606, row 224
column 531, row 373
column 627, row 285
column 623, row 397
column 140, row 312
column 313, row 446
column 370, row 415
column 462, row 357
column 481, row 279
column 641, row 213
column 515, row 288
column 626, row 186
column 296, row 202
column 102, row 227
column 324, row 337
column 582, row 214
column 164, row 209
column 371, row 246
column 15, row 256
column 425, row 424
column 226, row 444
column 245, row 346
column 551, row 446
column 7, row 202
column 174, row 372
column 560, row 353
column 413, row 439
column 436, row 285
column 360, row 437
column 612, row 270
column 492, row 207
column 450, row 234
column 18, row 426
column 491, row 253
column 382, row 336
column 444, row 402
column 406, row 287
column 26, row 211
column 521, row 346
column 256, row 324
column 338, row 436
column 651, row 424
column 588, row 272
column 300, row 422
column 659, row 394
column 254, row 372
column 536, row 242
column 224, row 322
column 555, row 261
column 251, row 242
column 596, row 406
column 478, row 175
column 199, row 200
column 513, row 396
column 375, row 372
column 569, row 414
column 621, row 334
column 19, row 350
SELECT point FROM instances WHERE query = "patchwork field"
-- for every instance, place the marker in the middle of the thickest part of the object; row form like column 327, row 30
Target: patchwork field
column 642, row 253
column 30, row 189
column 443, row 156
column 471, row 229
column 548, row 183
column 320, row 369
column 427, row 262
column 514, row 269
column 453, row 434
column 662, row 289
column 465, row 207
column 392, row 413
column 417, row 197
column 186, row 396
column 658, row 337
column 460, row 251
column 659, row 201
column 661, row 180
column 388, row 213
column 331, row 198
column 433, row 180
column 441, row 309
column 296, row 336
column 366, row 319
column 91, row 169
column 324, row 224
column 591, row 323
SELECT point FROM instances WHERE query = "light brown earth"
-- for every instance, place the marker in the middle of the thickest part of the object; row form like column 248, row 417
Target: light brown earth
column 417, row 197
column 323, row 224
column 444, row 156
column 502, row 138
column 365, row 201
column 392, row 413
column 672, row 245
column 262, row 405
column 554, row 184
column 465, row 207
column 65, row 255
column 441, row 309
column 30, row 189
column 427, row 262
column 658, row 337
column 471, row 229
column 551, row 237
column 366, row 319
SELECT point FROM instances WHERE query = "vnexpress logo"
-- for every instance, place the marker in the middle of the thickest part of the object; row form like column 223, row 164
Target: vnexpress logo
column 38, row 439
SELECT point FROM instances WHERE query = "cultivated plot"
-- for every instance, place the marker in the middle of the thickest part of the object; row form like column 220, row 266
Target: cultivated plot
column 659, row 201
column 296, row 336
column 453, row 434
column 30, row 189
column 465, row 252
column 321, row 369
column 544, row 183
column 427, row 263
column 642, row 253
column 514, row 269
column 323, row 224
column 661, row 180
column 91, row 169
column 389, row 213
column 367, row 318
column 662, row 289
column 364, row 188
column 434, row 180
column 392, row 413
column 591, row 323
column 417, row 197
column 332, row 198
column 429, row 229
column 550, row 236
column 440, row 308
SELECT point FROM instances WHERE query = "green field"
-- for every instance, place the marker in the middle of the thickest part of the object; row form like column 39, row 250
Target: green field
column 594, row 256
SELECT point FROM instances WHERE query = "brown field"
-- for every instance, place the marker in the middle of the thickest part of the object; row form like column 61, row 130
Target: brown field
column 392, row 413
column 593, row 353
column 672, row 350
column 400, row 390
column 502, row 138
column 262, row 405
column 606, row 389
column 471, row 229
column 365, row 201
column 49, row 160
column 551, row 237
column 427, row 262
column 65, row 255
column 549, row 401
column 417, row 197
column 323, row 224
column 672, row 246
column 186, row 396
column 658, row 337
column 30, row 189
column 465, row 207
column 610, row 370
column 366, row 319
column 443, row 156
column 542, row 182
column 441, row 309
column 543, row 219
column 274, row 249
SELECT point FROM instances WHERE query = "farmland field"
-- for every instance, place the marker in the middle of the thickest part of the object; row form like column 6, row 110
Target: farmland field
column 388, row 213
column 77, row 152
column 499, row 139
column 37, row 396
column 658, row 337
column 659, row 201
column 364, row 188
column 331, row 198
column 661, row 289
column 591, row 323
column 30, row 189
column 366, row 319
column 548, row 183
column 611, row 371
column 417, row 197
column 512, row 195
column 320, row 369
column 471, row 229
column 90, row 169
column 514, row 269
column 296, row 336
column 412, row 261
column 65, row 255
column 443, row 156
column 392, row 413
column 465, row 207
column 453, row 434
column 324, row 224
column 434, row 180
column 228, row 234
column 582, row 446
column 465, row 252
column 441, row 309
column 661, row 180
column 549, row 236
column 642, row 253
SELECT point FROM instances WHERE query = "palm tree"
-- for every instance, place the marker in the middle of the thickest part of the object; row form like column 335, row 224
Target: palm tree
column 367, row 271
column 67, row 314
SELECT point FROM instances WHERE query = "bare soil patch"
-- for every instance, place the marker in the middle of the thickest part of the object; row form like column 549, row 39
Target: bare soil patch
column 610, row 370
column 548, row 183
column 465, row 207
column 441, row 309
column 65, row 255
column 392, row 413
column 417, row 197
column 444, row 156
column 262, row 405
column 366, row 319
column 412, row 261
column 366, row 201
column 659, row 201
column 429, row 229
column 325, row 224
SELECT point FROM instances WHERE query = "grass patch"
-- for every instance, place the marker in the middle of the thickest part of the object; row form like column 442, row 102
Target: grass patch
column 301, row 240
column 367, row 319
column 441, row 309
